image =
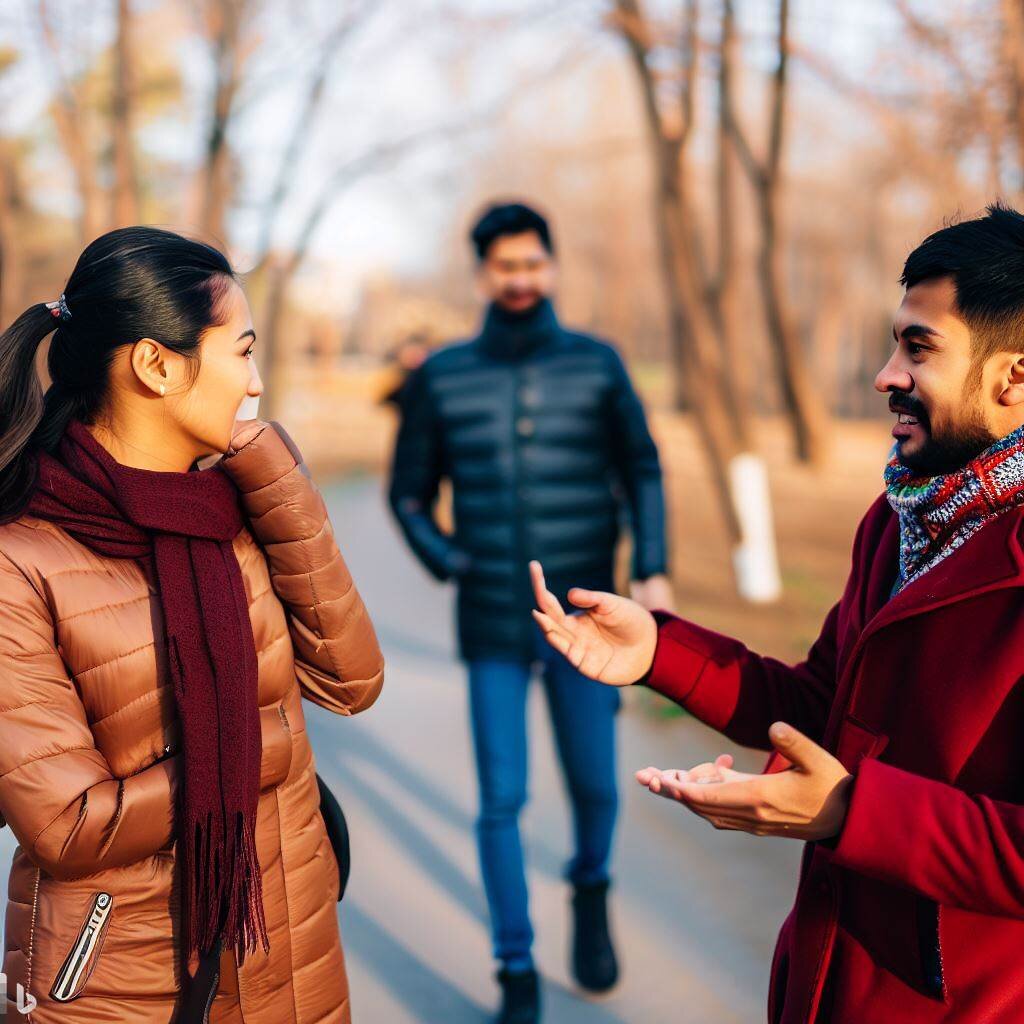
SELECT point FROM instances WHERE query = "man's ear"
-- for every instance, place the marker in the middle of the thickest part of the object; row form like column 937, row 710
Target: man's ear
column 1013, row 393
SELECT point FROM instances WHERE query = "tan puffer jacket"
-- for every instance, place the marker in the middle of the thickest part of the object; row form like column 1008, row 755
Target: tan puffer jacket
column 88, row 763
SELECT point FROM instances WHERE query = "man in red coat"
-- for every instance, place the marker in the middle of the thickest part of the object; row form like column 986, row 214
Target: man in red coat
column 899, row 742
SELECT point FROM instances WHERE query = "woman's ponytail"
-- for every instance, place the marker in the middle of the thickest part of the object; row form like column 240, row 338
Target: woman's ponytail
column 22, row 406
column 131, row 283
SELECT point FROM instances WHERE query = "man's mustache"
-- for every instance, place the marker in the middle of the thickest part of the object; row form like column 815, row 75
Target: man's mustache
column 901, row 402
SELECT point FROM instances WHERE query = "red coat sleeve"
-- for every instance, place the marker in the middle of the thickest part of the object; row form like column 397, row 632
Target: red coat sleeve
column 957, row 849
column 740, row 693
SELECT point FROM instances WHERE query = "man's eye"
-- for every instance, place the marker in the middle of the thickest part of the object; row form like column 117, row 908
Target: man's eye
column 915, row 349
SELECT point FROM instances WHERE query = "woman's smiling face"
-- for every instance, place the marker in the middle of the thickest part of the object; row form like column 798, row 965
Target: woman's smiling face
column 207, row 408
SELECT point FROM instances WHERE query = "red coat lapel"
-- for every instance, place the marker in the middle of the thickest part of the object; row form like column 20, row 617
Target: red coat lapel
column 991, row 559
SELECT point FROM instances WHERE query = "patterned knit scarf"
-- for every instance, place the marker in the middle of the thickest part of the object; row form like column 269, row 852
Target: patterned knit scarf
column 938, row 514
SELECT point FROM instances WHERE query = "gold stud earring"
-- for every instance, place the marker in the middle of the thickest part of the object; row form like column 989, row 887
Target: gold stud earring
column 163, row 390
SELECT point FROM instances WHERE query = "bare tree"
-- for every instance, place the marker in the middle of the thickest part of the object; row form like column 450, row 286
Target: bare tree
column 701, row 326
column 225, row 22
column 125, row 193
column 11, row 201
column 805, row 414
column 281, row 269
column 69, row 115
column 1013, row 55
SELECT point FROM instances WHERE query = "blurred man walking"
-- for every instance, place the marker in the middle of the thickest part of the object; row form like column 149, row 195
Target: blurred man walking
column 546, row 444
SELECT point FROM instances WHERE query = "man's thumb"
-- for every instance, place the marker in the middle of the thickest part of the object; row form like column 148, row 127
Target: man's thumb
column 793, row 745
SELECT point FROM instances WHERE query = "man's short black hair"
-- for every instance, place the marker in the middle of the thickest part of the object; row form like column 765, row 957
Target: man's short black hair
column 985, row 259
column 500, row 219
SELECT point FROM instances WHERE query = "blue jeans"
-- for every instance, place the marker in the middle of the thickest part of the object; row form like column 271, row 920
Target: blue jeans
column 583, row 715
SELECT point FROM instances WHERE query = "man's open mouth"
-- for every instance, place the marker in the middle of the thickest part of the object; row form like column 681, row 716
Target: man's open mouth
column 906, row 419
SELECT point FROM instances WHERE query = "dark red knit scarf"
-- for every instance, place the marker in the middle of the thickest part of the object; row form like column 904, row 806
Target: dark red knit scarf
column 182, row 524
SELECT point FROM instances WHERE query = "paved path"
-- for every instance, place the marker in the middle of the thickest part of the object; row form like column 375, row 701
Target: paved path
column 695, row 911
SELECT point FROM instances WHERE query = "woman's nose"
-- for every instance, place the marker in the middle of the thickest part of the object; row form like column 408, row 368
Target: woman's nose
column 255, row 388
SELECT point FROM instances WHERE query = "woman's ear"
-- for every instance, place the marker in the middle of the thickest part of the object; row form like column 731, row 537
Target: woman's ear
column 150, row 366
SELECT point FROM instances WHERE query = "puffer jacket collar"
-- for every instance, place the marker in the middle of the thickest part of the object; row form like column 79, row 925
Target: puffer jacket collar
column 512, row 336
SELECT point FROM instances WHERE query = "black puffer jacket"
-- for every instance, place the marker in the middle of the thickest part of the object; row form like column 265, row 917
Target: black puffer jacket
column 543, row 437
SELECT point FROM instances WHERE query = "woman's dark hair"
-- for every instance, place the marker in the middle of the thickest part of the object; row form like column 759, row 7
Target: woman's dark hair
column 502, row 219
column 128, row 284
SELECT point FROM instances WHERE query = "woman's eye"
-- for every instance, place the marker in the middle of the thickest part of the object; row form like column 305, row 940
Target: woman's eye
column 249, row 351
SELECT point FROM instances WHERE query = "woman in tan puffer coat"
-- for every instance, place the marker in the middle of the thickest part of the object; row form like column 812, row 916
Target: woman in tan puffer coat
column 152, row 358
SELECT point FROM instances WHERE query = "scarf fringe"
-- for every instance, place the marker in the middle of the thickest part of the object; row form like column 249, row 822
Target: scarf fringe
column 219, row 904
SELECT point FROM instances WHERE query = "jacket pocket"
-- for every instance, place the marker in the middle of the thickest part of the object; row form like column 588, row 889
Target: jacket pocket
column 276, row 738
column 858, row 742
column 84, row 954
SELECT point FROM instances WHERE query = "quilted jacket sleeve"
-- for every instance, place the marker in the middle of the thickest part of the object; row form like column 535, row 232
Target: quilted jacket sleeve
column 337, row 657
column 69, row 813
column 417, row 469
column 636, row 456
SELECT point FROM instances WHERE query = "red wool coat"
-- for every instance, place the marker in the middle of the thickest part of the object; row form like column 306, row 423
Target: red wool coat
column 917, row 912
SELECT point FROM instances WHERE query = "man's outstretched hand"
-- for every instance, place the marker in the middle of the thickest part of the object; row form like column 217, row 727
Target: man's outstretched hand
column 611, row 638
column 807, row 802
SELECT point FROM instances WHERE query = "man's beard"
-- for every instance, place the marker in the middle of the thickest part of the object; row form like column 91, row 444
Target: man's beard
column 951, row 449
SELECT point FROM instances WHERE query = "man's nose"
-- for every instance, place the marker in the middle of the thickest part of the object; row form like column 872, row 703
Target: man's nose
column 894, row 376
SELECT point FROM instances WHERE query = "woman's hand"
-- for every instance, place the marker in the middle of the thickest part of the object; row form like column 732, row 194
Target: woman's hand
column 244, row 431
column 612, row 639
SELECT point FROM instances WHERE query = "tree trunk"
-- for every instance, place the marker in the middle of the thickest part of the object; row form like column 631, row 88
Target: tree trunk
column 805, row 412
column 125, row 197
column 69, row 119
column 806, row 415
column 1013, row 49
column 703, row 338
column 11, row 278
column 215, row 180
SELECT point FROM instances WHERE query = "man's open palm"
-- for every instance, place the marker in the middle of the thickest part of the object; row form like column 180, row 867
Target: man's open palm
column 611, row 638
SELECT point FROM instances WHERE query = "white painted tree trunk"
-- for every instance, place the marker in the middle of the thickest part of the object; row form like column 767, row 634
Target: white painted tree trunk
column 755, row 559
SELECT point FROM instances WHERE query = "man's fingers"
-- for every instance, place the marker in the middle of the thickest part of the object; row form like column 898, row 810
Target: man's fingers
column 596, row 601
column 701, row 773
column 724, row 761
column 555, row 636
column 797, row 748
column 644, row 775
column 740, row 798
column 546, row 601
column 548, row 625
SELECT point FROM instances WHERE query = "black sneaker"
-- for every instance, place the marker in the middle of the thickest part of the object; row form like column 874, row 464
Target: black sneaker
column 520, row 998
column 593, row 957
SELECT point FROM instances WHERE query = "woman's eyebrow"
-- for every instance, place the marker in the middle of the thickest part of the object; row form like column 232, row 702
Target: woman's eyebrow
column 246, row 334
